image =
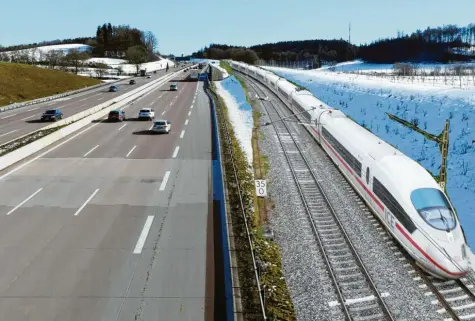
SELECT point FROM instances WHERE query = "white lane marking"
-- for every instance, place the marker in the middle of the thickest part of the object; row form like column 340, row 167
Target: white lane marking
column 28, row 117
column 143, row 235
column 186, row 122
column 83, row 99
column 163, row 112
column 150, row 127
column 45, row 153
column 165, row 180
column 122, row 126
column 29, row 198
column 34, row 109
column 191, row 107
column 9, row 132
column 85, row 203
column 189, row 113
column 91, row 150
column 171, row 103
column 130, row 151
column 8, row 116
column 176, row 151
column 182, row 134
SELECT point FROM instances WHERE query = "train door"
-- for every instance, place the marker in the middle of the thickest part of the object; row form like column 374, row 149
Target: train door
column 368, row 181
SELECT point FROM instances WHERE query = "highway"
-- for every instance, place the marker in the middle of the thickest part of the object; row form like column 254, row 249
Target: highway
column 113, row 223
column 18, row 122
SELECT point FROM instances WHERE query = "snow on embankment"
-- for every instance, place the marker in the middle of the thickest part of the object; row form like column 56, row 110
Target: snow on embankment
column 368, row 100
column 239, row 112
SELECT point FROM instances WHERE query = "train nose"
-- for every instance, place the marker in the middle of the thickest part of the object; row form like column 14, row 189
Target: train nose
column 452, row 266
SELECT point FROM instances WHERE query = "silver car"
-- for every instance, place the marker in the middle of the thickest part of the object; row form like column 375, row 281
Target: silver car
column 162, row 126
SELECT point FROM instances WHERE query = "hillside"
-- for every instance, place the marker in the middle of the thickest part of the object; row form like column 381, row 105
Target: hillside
column 24, row 82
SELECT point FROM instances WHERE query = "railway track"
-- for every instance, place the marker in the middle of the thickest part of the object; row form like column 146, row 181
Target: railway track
column 453, row 299
column 357, row 295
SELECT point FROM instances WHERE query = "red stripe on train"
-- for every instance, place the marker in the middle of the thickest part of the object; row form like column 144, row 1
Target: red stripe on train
column 352, row 172
column 403, row 232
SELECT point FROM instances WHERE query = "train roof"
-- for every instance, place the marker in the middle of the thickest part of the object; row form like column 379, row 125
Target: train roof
column 391, row 160
column 305, row 98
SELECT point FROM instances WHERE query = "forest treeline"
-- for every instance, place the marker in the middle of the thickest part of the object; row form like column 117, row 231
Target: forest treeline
column 441, row 44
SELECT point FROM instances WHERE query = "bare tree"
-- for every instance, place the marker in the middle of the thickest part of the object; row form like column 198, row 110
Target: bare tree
column 53, row 57
column 150, row 41
column 100, row 69
column 120, row 69
column 137, row 55
column 75, row 58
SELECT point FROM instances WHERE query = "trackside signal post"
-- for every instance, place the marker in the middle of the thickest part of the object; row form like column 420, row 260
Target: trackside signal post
column 442, row 140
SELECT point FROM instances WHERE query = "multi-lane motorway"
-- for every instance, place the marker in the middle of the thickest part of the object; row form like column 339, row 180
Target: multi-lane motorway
column 113, row 223
column 17, row 122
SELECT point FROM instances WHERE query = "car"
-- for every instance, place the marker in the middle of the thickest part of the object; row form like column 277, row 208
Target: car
column 149, row 76
column 132, row 82
column 113, row 89
column 173, row 87
column 115, row 115
column 162, row 126
column 52, row 114
column 146, row 113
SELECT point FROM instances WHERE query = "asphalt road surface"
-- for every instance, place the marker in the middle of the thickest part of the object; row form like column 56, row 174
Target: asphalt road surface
column 18, row 122
column 113, row 223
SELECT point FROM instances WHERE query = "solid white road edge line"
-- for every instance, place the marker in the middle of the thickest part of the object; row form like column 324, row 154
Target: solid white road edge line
column 130, row 151
column 122, row 126
column 91, row 150
column 186, row 122
column 29, row 198
column 182, row 134
column 9, row 132
column 143, row 235
column 165, row 180
column 176, row 151
column 85, row 203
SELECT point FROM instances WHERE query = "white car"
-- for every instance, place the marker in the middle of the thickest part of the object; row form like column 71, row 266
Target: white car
column 146, row 113
column 162, row 126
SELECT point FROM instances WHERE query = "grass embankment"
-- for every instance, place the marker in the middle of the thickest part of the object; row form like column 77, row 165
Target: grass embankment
column 20, row 82
column 279, row 305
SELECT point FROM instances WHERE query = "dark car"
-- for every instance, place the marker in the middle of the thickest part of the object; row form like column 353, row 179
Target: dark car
column 52, row 114
column 113, row 89
column 132, row 82
column 116, row 115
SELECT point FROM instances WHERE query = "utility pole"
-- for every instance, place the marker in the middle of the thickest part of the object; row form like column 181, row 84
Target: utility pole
column 442, row 139
column 349, row 33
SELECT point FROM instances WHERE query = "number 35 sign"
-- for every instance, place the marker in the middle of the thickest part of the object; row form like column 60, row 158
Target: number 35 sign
column 261, row 188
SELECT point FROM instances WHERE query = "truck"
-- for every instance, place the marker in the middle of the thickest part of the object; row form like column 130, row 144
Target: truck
column 143, row 72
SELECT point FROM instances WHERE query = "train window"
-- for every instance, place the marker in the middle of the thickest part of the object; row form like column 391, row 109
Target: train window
column 367, row 175
column 343, row 152
column 434, row 208
column 390, row 202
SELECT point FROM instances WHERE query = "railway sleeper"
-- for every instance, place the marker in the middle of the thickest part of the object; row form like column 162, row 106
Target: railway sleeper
column 377, row 316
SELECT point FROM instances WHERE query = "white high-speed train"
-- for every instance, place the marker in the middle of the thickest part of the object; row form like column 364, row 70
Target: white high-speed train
column 404, row 196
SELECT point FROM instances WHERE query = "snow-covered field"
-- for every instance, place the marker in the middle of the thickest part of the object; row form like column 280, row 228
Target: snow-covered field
column 39, row 52
column 367, row 100
column 454, row 75
column 239, row 112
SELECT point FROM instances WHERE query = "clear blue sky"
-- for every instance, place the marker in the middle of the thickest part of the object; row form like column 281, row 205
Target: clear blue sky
column 188, row 25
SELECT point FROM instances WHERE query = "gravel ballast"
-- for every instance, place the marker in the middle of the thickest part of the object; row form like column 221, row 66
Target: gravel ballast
column 305, row 271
